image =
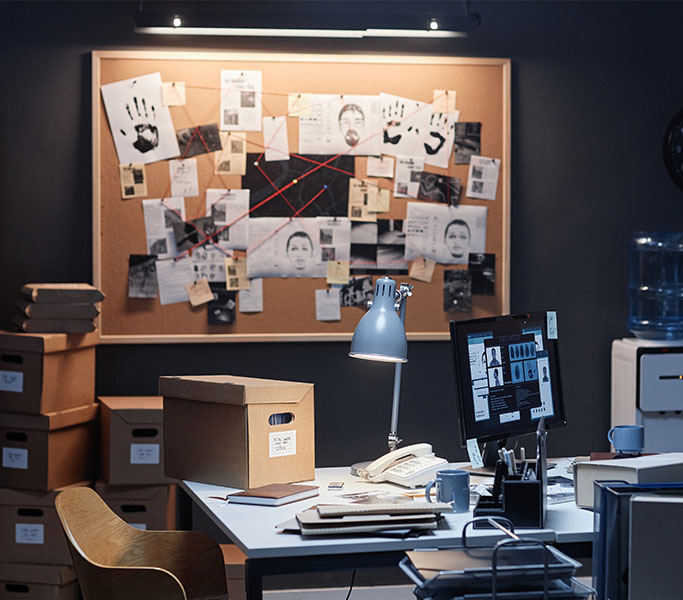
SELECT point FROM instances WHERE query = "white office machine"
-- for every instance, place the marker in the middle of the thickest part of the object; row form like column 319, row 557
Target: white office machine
column 647, row 389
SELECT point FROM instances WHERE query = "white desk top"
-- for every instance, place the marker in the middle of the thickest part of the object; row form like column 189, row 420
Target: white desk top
column 253, row 528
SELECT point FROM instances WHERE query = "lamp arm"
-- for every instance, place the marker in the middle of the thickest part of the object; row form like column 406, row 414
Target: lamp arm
column 393, row 440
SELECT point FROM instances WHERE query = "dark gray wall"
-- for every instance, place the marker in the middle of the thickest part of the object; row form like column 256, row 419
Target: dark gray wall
column 594, row 86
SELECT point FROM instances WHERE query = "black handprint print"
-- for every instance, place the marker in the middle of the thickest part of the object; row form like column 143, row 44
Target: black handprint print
column 148, row 134
column 392, row 118
column 439, row 125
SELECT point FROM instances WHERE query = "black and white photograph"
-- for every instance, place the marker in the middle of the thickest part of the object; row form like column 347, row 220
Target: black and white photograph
column 467, row 142
column 326, row 235
column 247, row 99
column 221, row 310
column 189, row 234
column 440, row 188
column 482, row 266
column 357, row 292
column 142, row 276
column 218, row 212
column 390, row 259
column 457, row 291
column 327, row 253
column 390, row 231
column 364, row 233
column 203, row 139
column 363, row 258
column 230, row 117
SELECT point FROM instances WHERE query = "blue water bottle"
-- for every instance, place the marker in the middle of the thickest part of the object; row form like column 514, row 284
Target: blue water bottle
column 656, row 286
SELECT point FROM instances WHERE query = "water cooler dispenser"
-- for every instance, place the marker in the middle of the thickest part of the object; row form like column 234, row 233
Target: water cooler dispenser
column 647, row 371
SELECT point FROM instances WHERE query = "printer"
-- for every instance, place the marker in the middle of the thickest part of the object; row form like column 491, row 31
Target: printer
column 647, row 389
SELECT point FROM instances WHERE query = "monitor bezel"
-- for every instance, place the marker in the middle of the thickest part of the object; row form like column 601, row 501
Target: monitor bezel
column 557, row 420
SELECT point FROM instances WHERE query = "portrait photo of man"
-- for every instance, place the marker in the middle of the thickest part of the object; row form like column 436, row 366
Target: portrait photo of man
column 351, row 123
column 457, row 238
column 299, row 251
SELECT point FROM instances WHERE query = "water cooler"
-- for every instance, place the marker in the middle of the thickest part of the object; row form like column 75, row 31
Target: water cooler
column 647, row 389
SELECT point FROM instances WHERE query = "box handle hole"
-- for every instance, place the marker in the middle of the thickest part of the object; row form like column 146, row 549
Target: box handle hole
column 150, row 432
column 30, row 512
column 17, row 588
column 280, row 418
column 16, row 436
column 15, row 359
column 133, row 508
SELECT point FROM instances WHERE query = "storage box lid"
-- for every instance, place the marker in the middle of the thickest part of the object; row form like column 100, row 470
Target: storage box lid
column 130, row 492
column 46, row 342
column 46, row 574
column 50, row 421
column 229, row 389
column 11, row 497
column 136, row 409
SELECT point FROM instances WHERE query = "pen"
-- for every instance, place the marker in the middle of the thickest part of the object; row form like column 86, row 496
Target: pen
column 522, row 453
column 513, row 464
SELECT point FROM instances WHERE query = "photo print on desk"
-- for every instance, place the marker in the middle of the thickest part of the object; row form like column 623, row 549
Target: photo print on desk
column 202, row 139
column 483, row 269
column 467, row 142
column 457, row 290
column 140, row 124
column 445, row 234
column 333, row 177
column 221, row 310
column 142, row 276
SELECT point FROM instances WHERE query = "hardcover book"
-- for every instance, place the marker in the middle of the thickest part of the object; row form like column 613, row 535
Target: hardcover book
column 61, row 292
column 274, row 494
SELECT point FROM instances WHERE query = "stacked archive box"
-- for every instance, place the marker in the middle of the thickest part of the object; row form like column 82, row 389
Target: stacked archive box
column 48, row 440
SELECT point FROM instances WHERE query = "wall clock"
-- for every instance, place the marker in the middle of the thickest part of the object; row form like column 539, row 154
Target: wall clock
column 673, row 149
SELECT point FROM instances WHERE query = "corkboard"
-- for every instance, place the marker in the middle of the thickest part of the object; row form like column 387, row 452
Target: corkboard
column 483, row 94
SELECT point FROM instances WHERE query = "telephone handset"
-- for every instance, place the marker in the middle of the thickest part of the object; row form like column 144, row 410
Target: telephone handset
column 411, row 466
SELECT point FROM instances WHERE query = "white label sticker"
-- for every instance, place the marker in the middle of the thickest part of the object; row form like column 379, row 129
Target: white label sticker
column 475, row 454
column 11, row 381
column 15, row 458
column 144, row 454
column 29, row 533
column 551, row 317
column 139, row 526
column 282, row 443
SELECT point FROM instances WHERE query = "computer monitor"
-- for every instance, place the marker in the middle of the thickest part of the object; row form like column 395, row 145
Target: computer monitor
column 507, row 376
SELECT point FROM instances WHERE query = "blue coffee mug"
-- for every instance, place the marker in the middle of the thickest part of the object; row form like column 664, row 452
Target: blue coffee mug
column 627, row 439
column 452, row 486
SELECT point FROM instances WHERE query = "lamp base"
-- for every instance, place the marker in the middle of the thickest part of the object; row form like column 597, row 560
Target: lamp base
column 355, row 467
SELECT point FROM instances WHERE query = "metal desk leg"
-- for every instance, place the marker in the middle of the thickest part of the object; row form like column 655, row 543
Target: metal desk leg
column 253, row 579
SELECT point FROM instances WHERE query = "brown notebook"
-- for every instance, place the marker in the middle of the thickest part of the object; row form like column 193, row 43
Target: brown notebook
column 274, row 494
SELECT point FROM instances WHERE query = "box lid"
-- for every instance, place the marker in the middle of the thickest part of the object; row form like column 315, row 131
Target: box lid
column 52, row 420
column 46, row 574
column 230, row 389
column 136, row 409
column 130, row 492
column 12, row 497
column 47, row 342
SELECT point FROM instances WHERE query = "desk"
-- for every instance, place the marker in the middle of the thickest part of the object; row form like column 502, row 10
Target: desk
column 269, row 552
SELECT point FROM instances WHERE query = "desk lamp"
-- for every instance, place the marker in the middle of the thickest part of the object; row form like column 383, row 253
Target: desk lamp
column 380, row 335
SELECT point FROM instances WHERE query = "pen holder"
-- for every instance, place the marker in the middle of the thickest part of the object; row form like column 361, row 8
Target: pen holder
column 521, row 501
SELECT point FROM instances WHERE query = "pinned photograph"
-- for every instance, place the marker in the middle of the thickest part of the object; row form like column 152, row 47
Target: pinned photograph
column 483, row 177
column 457, row 291
column 203, row 139
column 236, row 274
column 142, row 276
column 133, row 182
column 467, row 142
column 439, row 188
column 483, row 269
column 408, row 176
column 221, row 310
column 140, row 124
column 358, row 292
column 191, row 234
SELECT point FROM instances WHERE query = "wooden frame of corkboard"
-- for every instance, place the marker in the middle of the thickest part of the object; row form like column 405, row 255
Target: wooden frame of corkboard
column 483, row 94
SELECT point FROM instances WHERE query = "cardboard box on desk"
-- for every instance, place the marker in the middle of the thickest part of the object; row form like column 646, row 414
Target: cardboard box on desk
column 45, row 452
column 132, row 440
column 144, row 507
column 30, row 531
column 46, row 372
column 38, row 582
column 238, row 431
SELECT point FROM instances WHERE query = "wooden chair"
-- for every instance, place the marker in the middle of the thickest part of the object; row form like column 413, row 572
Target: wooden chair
column 115, row 561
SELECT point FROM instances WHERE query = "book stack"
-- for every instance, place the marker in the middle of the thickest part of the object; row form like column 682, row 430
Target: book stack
column 57, row 308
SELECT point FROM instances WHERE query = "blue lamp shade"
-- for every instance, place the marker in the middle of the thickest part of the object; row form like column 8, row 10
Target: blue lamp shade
column 380, row 334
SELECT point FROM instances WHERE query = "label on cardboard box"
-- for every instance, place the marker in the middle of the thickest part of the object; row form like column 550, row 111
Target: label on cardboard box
column 144, row 454
column 282, row 443
column 14, row 458
column 11, row 381
column 29, row 533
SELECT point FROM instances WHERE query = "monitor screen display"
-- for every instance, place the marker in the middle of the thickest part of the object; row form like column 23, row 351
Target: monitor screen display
column 506, row 376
